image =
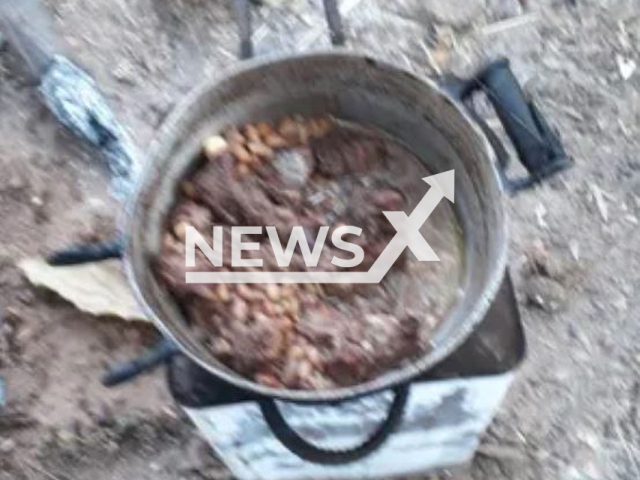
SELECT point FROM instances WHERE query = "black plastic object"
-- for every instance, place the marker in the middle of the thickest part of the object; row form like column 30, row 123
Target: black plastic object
column 242, row 13
column 313, row 453
column 538, row 147
column 154, row 357
column 79, row 254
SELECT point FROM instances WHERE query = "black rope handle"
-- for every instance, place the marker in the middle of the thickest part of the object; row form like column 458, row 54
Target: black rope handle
column 242, row 13
column 312, row 453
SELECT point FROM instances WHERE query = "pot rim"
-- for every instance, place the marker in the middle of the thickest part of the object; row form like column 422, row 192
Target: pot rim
column 385, row 381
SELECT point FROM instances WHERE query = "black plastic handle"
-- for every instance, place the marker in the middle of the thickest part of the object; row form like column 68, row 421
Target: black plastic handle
column 312, row 453
column 154, row 357
column 538, row 146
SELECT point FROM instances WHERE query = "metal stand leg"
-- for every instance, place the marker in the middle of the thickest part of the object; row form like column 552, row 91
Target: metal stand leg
column 242, row 11
column 78, row 254
column 334, row 21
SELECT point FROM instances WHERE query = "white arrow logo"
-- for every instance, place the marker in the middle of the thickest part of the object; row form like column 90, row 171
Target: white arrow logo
column 408, row 235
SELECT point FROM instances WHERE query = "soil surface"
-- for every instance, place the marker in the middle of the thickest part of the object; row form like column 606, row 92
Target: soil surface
column 571, row 414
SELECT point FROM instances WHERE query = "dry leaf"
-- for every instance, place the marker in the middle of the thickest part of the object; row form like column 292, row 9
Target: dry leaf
column 99, row 288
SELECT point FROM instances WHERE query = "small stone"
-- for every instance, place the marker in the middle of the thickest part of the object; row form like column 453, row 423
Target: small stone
column 620, row 303
column 544, row 294
column 65, row 436
column 503, row 9
column 7, row 445
column 16, row 182
column 458, row 13
column 124, row 72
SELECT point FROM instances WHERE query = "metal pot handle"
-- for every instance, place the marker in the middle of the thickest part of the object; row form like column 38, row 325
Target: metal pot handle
column 538, row 146
column 242, row 13
column 297, row 445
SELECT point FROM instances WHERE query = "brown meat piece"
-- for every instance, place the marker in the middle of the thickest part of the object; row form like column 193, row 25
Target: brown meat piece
column 171, row 268
column 304, row 336
column 351, row 347
column 340, row 152
column 194, row 215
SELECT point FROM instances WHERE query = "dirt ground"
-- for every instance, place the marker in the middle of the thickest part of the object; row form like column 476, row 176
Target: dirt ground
column 572, row 413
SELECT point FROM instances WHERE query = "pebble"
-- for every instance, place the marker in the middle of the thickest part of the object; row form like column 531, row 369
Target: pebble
column 65, row 435
column 545, row 294
column 7, row 445
column 458, row 13
column 16, row 182
column 505, row 8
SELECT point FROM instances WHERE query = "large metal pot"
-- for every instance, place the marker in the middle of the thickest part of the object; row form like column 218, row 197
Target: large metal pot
column 352, row 87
